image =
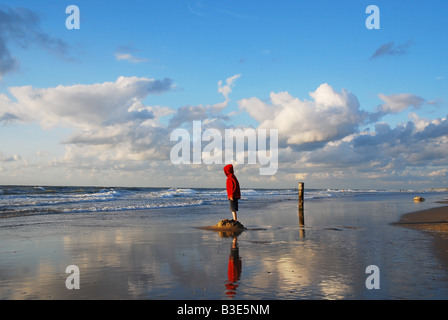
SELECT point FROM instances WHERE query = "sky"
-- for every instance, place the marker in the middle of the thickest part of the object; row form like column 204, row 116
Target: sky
column 358, row 98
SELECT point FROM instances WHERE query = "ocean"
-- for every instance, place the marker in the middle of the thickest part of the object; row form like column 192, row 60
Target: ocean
column 32, row 200
column 144, row 243
column 35, row 200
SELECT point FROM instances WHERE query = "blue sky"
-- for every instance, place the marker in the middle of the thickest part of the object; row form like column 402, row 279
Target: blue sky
column 355, row 108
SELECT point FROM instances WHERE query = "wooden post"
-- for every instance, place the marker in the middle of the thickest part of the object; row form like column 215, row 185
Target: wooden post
column 301, row 191
column 301, row 215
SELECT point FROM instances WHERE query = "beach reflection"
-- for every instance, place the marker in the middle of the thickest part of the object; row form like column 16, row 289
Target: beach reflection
column 137, row 256
column 234, row 269
column 301, row 222
column 234, row 265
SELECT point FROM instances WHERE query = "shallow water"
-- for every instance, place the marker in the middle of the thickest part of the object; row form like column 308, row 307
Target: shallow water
column 162, row 255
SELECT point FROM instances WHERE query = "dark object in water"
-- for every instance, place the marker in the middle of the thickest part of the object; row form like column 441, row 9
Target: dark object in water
column 227, row 228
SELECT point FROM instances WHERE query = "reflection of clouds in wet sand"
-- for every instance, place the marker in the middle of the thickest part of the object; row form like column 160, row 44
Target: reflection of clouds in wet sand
column 284, row 267
column 291, row 269
column 33, row 278
column 281, row 276
column 110, row 261
column 292, row 278
column 134, row 258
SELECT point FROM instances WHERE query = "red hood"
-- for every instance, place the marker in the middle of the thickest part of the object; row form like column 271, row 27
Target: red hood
column 228, row 169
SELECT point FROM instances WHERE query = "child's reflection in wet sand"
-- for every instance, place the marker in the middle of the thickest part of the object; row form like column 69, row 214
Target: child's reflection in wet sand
column 234, row 266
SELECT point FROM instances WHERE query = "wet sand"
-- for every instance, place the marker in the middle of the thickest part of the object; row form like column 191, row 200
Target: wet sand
column 435, row 219
column 162, row 255
column 434, row 222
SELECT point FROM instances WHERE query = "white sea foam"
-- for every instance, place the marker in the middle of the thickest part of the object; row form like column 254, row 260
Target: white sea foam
column 44, row 199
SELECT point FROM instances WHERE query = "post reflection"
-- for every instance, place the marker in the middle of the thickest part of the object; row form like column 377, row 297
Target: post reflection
column 301, row 222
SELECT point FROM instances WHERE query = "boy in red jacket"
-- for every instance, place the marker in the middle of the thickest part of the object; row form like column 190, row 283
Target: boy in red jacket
column 233, row 190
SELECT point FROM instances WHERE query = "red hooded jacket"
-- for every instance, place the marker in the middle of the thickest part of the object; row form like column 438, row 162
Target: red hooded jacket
column 232, row 184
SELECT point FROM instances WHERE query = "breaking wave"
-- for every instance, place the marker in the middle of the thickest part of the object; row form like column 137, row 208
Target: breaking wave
column 29, row 200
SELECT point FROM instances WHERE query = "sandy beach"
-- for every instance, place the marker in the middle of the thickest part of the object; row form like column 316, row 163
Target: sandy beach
column 435, row 219
column 163, row 254
column 435, row 222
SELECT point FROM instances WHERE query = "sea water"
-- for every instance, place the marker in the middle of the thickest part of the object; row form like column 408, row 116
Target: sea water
column 143, row 243
column 32, row 200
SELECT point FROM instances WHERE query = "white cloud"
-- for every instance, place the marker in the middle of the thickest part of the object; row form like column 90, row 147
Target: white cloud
column 81, row 105
column 406, row 145
column 323, row 135
column 111, row 124
column 227, row 88
column 110, row 120
column 127, row 53
column 129, row 57
column 114, row 131
column 211, row 113
column 438, row 173
column 5, row 158
column 398, row 102
column 309, row 124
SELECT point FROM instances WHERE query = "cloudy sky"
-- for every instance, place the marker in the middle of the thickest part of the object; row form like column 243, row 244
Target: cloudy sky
column 354, row 107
